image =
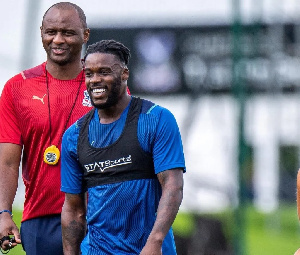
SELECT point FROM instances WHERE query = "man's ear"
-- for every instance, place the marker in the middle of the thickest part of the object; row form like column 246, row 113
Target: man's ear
column 86, row 35
column 125, row 74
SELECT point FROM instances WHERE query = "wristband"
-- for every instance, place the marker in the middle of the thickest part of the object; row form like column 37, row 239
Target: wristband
column 8, row 211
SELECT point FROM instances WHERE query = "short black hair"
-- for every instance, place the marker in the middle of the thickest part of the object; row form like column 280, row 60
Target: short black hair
column 68, row 5
column 112, row 47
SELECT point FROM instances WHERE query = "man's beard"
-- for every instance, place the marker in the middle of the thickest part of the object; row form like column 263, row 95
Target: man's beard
column 113, row 96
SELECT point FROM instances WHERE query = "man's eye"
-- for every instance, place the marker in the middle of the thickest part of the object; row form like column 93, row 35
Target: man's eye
column 69, row 33
column 105, row 72
column 88, row 74
column 50, row 32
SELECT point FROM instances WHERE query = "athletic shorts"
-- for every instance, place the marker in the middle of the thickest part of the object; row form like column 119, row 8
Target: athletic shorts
column 42, row 236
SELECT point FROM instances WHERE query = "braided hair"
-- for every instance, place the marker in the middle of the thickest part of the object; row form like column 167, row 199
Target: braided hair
column 111, row 47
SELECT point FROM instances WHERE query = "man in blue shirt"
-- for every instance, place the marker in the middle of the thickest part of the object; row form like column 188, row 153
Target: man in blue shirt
column 127, row 155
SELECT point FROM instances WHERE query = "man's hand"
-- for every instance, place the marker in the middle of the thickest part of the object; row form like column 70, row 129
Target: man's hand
column 9, row 233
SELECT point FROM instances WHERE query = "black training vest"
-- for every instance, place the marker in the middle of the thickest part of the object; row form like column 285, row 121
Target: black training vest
column 121, row 161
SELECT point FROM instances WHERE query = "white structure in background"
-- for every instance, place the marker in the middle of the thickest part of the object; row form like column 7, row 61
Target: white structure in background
column 271, row 122
column 131, row 13
column 211, row 143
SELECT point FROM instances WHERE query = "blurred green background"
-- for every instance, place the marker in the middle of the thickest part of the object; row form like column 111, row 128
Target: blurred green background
column 265, row 234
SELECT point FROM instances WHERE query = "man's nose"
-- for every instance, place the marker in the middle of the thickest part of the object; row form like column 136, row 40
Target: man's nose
column 58, row 38
column 96, row 78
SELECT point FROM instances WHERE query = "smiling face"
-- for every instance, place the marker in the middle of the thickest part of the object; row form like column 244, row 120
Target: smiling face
column 63, row 35
column 105, row 78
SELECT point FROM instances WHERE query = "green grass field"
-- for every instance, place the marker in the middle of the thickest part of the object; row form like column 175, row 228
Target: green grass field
column 266, row 234
column 276, row 233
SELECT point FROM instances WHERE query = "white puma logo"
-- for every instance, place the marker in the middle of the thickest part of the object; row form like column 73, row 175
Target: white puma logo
column 39, row 98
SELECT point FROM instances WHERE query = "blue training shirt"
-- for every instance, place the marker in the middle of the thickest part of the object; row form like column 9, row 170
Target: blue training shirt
column 112, row 208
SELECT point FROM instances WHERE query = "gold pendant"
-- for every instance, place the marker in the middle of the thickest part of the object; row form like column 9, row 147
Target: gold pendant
column 51, row 155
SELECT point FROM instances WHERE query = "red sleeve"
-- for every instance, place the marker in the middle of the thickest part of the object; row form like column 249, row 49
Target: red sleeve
column 9, row 128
